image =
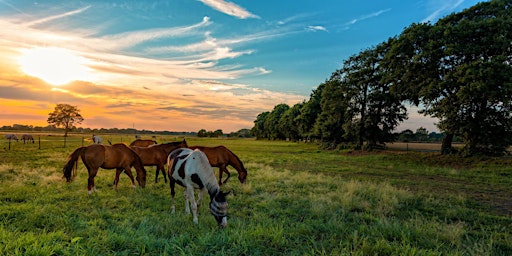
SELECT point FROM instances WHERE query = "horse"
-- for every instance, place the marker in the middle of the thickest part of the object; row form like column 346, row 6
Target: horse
column 27, row 137
column 157, row 155
column 11, row 137
column 118, row 156
column 97, row 139
column 142, row 143
column 191, row 169
column 221, row 157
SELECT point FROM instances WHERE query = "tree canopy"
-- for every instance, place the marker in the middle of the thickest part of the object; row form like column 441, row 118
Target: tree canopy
column 65, row 116
column 457, row 70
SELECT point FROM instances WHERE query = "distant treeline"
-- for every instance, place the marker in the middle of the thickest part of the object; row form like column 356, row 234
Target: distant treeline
column 457, row 70
column 242, row 133
column 49, row 128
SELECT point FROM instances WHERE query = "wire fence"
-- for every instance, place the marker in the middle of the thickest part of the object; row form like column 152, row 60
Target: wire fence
column 47, row 141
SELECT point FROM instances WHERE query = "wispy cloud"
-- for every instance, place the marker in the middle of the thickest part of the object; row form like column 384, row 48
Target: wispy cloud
column 441, row 8
column 316, row 28
column 229, row 8
column 55, row 17
column 128, row 39
column 367, row 16
column 185, row 77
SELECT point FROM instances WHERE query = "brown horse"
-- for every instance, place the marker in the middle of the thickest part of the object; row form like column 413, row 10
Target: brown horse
column 157, row 155
column 118, row 156
column 221, row 157
column 142, row 143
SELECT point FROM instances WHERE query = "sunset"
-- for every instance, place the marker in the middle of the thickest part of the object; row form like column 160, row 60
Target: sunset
column 184, row 66
column 232, row 127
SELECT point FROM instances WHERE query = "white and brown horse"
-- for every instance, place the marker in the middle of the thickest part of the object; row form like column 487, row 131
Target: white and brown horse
column 27, row 137
column 11, row 137
column 97, row 139
column 191, row 169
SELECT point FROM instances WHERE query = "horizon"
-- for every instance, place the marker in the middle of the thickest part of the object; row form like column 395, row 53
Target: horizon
column 186, row 65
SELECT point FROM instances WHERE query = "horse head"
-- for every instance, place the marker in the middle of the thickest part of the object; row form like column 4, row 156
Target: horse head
column 219, row 208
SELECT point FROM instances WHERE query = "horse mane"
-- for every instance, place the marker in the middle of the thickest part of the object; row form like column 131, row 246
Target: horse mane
column 235, row 156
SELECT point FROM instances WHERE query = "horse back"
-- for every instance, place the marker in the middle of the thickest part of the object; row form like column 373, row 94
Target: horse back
column 217, row 156
column 94, row 155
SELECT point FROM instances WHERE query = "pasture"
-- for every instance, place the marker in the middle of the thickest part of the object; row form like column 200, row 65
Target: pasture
column 297, row 200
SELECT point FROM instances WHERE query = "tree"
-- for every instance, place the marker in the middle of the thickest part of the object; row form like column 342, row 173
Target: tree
column 259, row 126
column 65, row 116
column 272, row 122
column 329, row 123
column 202, row 133
column 309, row 113
column 288, row 122
column 373, row 111
column 459, row 71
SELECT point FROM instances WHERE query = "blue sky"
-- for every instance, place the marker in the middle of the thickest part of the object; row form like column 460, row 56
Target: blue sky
column 186, row 65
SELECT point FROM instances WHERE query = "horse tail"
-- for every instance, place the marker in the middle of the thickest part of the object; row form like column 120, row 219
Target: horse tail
column 69, row 169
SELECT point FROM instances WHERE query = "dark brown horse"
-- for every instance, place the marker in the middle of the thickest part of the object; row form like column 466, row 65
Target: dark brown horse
column 221, row 157
column 118, row 156
column 157, row 155
column 142, row 143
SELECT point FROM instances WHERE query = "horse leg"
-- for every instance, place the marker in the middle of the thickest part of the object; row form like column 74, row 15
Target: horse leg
column 222, row 169
column 128, row 172
column 200, row 197
column 189, row 192
column 186, row 195
column 90, row 181
column 171, row 185
column 163, row 172
column 116, row 179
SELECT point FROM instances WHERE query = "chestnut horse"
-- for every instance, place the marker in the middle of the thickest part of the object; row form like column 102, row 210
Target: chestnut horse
column 221, row 157
column 191, row 169
column 157, row 155
column 118, row 156
column 142, row 143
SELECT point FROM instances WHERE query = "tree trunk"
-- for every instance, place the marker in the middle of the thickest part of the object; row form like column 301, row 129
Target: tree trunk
column 446, row 147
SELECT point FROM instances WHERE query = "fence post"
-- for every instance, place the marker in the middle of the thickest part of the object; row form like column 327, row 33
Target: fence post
column 39, row 141
column 9, row 144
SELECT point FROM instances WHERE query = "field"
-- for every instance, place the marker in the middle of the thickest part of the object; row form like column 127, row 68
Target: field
column 298, row 200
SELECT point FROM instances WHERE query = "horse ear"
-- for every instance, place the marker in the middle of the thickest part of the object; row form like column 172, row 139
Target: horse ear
column 227, row 193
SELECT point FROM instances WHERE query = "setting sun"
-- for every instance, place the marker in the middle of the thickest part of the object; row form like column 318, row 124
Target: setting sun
column 56, row 66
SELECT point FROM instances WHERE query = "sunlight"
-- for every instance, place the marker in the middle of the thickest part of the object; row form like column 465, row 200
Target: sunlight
column 56, row 66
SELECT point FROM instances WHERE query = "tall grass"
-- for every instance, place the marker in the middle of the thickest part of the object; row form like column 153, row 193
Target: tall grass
column 298, row 200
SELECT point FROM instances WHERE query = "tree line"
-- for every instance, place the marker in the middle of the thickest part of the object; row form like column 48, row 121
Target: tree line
column 457, row 70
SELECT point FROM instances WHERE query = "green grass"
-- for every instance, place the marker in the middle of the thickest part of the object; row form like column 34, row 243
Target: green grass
column 298, row 200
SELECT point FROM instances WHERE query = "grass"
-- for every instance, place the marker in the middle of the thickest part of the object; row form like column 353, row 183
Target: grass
column 298, row 201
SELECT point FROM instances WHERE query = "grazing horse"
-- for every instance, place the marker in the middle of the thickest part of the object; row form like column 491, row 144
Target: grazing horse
column 27, row 137
column 191, row 169
column 97, row 139
column 118, row 156
column 11, row 137
column 142, row 143
column 157, row 155
column 221, row 157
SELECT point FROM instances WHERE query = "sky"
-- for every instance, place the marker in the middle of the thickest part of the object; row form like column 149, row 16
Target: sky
column 186, row 65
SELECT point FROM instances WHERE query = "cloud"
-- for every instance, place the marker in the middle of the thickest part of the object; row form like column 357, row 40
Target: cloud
column 142, row 73
column 316, row 28
column 229, row 8
column 441, row 8
column 367, row 16
column 129, row 39
column 55, row 17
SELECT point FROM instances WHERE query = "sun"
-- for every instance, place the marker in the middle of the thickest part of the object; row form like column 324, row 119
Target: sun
column 56, row 66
